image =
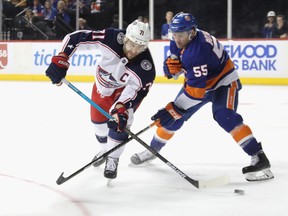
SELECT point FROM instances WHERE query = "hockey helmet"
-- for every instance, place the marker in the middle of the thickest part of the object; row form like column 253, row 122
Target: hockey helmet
column 183, row 22
column 138, row 32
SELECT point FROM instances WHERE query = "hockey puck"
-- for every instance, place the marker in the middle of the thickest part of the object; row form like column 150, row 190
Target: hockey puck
column 238, row 191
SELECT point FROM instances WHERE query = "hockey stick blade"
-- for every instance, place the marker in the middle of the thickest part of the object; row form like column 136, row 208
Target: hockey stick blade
column 61, row 179
column 200, row 184
column 212, row 183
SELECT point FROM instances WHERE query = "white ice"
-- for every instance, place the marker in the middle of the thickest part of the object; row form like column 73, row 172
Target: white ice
column 46, row 130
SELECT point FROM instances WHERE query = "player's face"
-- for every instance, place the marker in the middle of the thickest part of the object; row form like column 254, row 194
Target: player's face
column 132, row 49
column 181, row 39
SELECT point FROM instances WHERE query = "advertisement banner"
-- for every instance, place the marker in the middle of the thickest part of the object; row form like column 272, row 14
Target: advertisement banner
column 252, row 59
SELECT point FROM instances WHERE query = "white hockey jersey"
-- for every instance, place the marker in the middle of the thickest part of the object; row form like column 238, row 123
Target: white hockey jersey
column 113, row 70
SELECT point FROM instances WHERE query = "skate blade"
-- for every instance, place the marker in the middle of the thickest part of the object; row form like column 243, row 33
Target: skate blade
column 262, row 175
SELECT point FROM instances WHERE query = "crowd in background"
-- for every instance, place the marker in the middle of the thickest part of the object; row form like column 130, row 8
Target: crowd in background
column 276, row 26
column 48, row 19
column 53, row 19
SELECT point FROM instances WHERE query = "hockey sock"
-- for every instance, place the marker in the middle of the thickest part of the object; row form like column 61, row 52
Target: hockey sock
column 243, row 136
column 101, row 133
column 114, row 139
column 160, row 138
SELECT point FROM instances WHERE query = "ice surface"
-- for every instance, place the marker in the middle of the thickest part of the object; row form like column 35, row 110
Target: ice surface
column 46, row 130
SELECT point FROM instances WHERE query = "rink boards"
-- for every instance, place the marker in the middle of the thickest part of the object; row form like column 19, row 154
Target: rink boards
column 257, row 61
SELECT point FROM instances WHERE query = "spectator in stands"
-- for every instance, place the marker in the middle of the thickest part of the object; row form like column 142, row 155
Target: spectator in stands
column 62, row 12
column 25, row 24
column 140, row 18
column 270, row 25
column 37, row 8
column 165, row 26
column 96, row 6
column 54, row 3
column 62, row 23
column 49, row 11
column 84, row 6
column 115, row 23
column 83, row 25
column 43, row 29
column 281, row 28
column 35, row 27
column 146, row 19
column 29, row 16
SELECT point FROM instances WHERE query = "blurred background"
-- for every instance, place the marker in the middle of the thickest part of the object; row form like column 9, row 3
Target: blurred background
column 53, row 19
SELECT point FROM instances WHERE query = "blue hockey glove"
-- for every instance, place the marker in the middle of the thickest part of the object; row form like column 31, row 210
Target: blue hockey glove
column 171, row 67
column 168, row 115
column 120, row 115
column 58, row 68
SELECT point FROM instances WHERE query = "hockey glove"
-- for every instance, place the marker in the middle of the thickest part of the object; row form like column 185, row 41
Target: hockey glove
column 120, row 115
column 172, row 67
column 58, row 68
column 168, row 115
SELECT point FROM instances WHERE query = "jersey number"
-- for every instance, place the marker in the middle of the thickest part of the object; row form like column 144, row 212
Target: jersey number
column 200, row 70
column 217, row 47
column 147, row 86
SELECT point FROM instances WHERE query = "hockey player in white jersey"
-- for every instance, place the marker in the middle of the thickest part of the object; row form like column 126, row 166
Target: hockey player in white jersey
column 123, row 77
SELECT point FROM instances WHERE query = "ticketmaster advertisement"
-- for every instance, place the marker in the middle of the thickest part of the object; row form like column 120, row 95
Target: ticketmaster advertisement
column 256, row 60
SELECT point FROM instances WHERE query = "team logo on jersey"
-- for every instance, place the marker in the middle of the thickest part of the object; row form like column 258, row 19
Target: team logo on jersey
column 120, row 38
column 146, row 65
column 106, row 79
column 3, row 56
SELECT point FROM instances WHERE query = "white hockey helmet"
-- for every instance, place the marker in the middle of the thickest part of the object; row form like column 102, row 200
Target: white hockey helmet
column 138, row 32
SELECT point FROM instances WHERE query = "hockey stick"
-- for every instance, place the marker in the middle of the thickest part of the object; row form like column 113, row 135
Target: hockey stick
column 63, row 179
column 200, row 184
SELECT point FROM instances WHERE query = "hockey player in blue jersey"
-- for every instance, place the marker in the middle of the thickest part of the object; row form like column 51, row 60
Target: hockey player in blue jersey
column 210, row 76
column 123, row 77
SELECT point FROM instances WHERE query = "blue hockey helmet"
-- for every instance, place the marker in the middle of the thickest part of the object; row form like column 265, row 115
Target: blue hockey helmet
column 183, row 22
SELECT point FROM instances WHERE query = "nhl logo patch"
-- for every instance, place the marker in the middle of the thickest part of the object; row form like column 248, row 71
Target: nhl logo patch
column 146, row 65
column 120, row 38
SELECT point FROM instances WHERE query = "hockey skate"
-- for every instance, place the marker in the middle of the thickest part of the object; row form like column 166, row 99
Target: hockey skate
column 99, row 162
column 111, row 166
column 140, row 158
column 259, row 169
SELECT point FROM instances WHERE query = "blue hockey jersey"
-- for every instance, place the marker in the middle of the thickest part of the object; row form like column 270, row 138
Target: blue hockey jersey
column 206, row 65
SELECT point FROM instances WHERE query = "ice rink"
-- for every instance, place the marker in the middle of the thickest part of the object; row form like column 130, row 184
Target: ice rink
column 46, row 130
